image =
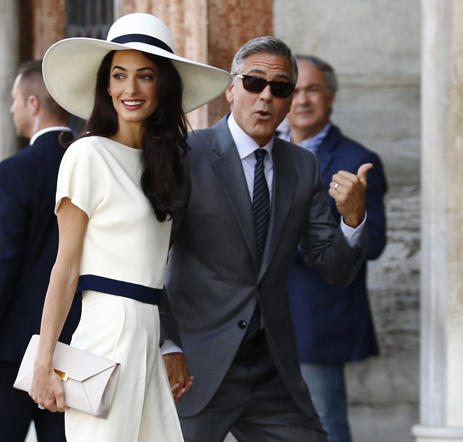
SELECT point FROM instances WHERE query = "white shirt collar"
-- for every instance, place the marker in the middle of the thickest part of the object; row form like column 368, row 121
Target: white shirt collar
column 47, row 129
column 244, row 143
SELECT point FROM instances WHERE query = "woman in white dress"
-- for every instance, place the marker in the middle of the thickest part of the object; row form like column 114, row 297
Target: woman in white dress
column 116, row 188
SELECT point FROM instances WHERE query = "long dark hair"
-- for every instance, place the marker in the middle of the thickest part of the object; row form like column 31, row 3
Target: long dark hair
column 164, row 141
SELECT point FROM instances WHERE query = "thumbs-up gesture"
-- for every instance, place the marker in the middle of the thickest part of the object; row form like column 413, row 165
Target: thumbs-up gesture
column 348, row 191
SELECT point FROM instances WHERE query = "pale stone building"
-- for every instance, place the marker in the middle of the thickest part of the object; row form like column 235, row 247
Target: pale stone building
column 400, row 65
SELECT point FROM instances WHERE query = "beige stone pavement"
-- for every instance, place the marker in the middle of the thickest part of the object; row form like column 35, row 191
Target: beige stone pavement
column 31, row 436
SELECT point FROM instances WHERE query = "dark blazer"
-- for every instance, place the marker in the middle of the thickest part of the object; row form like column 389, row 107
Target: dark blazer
column 213, row 278
column 28, row 243
column 334, row 324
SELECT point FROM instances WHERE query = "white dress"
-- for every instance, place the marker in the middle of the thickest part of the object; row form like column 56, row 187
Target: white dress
column 125, row 242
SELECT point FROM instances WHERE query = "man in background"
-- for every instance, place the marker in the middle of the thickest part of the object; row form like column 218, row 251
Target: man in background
column 28, row 246
column 333, row 325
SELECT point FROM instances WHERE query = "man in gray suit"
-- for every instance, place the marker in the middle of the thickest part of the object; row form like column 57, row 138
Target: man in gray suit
column 252, row 200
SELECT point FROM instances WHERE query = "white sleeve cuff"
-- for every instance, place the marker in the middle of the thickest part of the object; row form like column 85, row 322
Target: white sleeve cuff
column 353, row 235
column 170, row 347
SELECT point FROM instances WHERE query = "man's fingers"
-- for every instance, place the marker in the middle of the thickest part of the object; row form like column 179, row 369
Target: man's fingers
column 179, row 392
column 344, row 180
column 189, row 383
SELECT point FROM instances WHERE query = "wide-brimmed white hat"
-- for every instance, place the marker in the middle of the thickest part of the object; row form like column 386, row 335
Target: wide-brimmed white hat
column 70, row 66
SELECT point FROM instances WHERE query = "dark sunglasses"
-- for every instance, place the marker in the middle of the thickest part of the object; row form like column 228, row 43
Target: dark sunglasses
column 280, row 89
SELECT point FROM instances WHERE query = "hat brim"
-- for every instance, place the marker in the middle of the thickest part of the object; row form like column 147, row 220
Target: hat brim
column 70, row 68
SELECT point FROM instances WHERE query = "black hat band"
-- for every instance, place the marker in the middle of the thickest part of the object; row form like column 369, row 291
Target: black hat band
column 142, row 38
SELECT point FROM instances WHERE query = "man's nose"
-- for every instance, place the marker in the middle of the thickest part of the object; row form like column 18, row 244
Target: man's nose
column 266, row 94
column 301, row 98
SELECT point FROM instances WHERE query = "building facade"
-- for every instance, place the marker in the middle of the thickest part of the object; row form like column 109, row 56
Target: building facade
column 400, row 66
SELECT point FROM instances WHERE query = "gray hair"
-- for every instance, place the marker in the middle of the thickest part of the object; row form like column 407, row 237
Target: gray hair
column 264, row 45
column 327, row 70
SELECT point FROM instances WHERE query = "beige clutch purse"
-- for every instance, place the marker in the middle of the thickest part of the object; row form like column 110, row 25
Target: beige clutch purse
column 89, row 381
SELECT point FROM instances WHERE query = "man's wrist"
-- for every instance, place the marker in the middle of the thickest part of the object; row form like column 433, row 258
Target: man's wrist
column 354, row 221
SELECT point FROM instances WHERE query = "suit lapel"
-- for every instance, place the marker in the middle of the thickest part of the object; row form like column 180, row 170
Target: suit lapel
column 284, row 184
column 229, row 170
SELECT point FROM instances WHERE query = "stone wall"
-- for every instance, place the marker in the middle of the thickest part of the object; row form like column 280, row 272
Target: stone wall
column 48, row 24
column 375, row 48
column 8, row 59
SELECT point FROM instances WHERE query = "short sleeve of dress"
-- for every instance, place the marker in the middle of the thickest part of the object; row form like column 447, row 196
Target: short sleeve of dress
column 80, row 176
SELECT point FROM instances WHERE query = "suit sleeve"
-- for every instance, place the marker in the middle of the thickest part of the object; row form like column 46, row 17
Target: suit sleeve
column 180, row 205
column 13, row 235
column 169, row 327
column 323, row 245
column 376, row 218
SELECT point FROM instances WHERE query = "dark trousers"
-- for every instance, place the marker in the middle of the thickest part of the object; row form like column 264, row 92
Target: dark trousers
column 253, row 403
column 17, row 410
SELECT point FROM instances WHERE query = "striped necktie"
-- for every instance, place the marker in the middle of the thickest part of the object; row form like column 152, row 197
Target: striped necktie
column 260, row 203
column 261, row 212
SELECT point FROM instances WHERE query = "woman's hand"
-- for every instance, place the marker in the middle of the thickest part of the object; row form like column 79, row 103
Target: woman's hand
column 47, row 389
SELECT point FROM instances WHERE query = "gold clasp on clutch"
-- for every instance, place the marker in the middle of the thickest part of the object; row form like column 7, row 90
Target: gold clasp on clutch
column 63, row 375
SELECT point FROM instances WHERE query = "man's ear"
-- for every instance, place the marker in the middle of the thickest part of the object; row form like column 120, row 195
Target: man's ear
column 332, row 98
column 230, row 92
column 33, row 104
column 331, row 101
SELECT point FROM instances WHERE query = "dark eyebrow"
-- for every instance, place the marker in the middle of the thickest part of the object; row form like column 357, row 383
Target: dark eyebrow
column 147, row 68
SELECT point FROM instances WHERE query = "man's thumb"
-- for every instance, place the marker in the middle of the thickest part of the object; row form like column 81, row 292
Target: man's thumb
column 363, row 170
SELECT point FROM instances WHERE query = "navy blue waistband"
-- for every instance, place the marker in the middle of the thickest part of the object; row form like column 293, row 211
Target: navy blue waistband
column 138, row 292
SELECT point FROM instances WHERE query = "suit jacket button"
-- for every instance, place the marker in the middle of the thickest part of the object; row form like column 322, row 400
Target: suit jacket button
column 242, row 324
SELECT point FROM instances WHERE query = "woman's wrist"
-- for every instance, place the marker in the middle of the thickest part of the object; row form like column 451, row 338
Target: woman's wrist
column 43, row 365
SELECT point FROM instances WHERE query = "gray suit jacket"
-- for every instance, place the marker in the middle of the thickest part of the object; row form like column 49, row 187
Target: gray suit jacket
column 213, row 279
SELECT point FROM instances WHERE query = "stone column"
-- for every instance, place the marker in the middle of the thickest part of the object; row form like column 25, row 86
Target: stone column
column 49, row 24
column 441, row 395
column 9, row 63
column 209, row 31
column 231, row 23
